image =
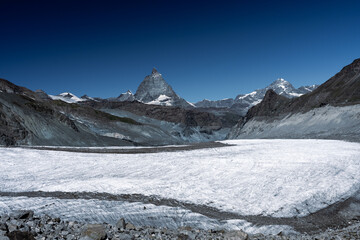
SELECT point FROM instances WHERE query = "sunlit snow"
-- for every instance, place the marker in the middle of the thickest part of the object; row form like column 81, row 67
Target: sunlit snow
column 267, row 177
column 162, row 100
column 67, row 97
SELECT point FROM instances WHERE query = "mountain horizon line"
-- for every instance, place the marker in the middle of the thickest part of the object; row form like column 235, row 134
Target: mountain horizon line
column 154, row 70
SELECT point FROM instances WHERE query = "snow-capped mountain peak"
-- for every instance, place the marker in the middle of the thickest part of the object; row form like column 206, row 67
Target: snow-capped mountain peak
column 243, row 102
column 281, row 84
column 153, row 89
column 284, row 88
column 280, row 81
column 67, row 97
column 155, row 73
column 127, row 96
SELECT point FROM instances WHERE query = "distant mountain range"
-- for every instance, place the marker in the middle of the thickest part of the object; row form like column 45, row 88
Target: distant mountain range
column 35, row 118
column 68, row 97
column 155, row 90
column 152, row 90
column 156, row 115
column 243, row 102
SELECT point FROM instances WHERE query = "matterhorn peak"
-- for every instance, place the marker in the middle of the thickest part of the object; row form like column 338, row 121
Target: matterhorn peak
column 155, row 74
column 152, row 87
column 155, row 90
column 154, row 71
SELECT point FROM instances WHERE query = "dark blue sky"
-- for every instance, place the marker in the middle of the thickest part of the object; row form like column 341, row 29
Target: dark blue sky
column 204, row 49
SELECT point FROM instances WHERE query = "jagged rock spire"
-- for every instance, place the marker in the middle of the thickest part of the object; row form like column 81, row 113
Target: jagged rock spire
column 155, row 90
column 154, row 71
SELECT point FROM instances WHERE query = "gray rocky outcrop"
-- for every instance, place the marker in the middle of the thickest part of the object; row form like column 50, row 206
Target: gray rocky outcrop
column 30, row 227
column 93, row 232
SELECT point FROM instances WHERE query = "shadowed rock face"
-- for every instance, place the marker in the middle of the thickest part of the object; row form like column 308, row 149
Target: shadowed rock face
column 153, row 87
column 268, row 106
column 11, row 129
column 25, row 120
column 188, row 117
column 342, row 89
column 8, row 87
column 224, row 103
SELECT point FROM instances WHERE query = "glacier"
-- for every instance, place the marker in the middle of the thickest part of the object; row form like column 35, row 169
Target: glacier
column 277, row 178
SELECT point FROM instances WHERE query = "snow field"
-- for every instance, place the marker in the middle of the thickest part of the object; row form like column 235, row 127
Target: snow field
column 280, row 178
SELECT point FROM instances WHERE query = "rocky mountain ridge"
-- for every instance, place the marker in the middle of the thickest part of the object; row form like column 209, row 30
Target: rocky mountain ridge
column 330, row 111
column 340, row 90
column 34, row 118
column 243, row 102
column 154, row 90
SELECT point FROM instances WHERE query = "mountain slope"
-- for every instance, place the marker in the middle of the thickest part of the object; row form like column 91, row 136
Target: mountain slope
column 24, row 120
column 33, row 118
column 340, row 90
column 190, row 124
column 224, row 103
column 28, row 119
column 330, row 111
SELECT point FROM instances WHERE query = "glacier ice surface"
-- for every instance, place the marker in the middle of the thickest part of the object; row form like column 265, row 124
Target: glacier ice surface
column 280, row 178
